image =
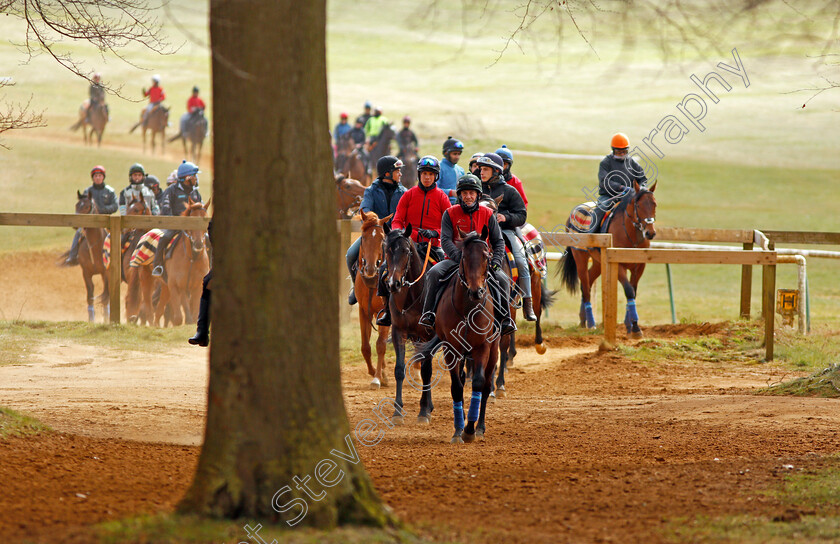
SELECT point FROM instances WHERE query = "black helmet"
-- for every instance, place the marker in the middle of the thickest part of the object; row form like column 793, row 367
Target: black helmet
column 388, row 164
column 136, row 167
column 493, row 161
column 195, row 89
column 468, row 182
column 451, row 144
column 152, row 181
column 429, row 164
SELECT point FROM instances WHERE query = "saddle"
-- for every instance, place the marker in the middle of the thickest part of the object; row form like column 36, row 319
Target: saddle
column 144, row 253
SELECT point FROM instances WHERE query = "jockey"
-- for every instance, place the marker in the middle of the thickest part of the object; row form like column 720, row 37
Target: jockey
column 617, row 173
column 381, row 198
column 357, row 134
column 422, row 207
column 510, row 179
column 468, row 216
column 156, row 96
column 406, row 138
column 106, row 203
column 342, row 128
column 172, row 178
column 475, row 169
column 450, row 172
column 137, row 188
column 511, row 214
column 174, row 202
column 366, row 115
column 153, row 183
column 96, row 94
column 195, row 109
column 375, row 124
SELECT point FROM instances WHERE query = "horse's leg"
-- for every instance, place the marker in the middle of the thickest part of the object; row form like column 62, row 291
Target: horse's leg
column 630, row 294
column 132, row 296
column 491, row 362
column 145, row 279
column 479, row 356
column 163, row 301
column 426, row 406
column 105, row 297
column 457, row 390
column 504, row 343
column 365, row 327
column 398, row 341
column 635, row 275
column 381, row 347
column 536, row 291
column 587, row 318
column 88, row 277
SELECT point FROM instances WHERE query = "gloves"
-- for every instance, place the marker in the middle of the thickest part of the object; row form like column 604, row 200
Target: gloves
column 144, row 91
column 495, row 266
column 428, row 233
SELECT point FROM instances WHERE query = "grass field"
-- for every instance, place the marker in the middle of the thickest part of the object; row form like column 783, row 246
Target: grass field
column 762, row 161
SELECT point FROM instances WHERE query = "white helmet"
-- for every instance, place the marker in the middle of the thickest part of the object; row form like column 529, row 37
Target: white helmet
column 173, row 177
column 156, row 78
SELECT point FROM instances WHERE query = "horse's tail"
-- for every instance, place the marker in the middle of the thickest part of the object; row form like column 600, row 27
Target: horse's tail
column 546, row 297
column 177, row 136
column 567, row 269
column 62, row 259
column 77, row 124
column 135, row 127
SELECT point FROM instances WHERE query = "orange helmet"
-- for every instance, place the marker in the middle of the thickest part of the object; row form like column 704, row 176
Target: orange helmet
column 620, row 141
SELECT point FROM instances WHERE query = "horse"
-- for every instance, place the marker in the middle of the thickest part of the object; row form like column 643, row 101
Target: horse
column 96, row 119
column 406, row 282
column 185, row 269
column 343, row 148
column 507, row 343
column 367, row 278
column 465, row 326
column 382, row 145
column 632, row 226
column 348, row 196
column 138, row 298
column 90, row 256
column 196, row 132
column 409, row 157
column 156, row 121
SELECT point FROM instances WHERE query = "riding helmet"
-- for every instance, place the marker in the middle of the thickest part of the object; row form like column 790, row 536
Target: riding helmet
column 136, row 167
column 187, row 169
column 98, row 168
column 468, row 182
column 493, row 161
column 620, row 141
column 195, row 89
column 152, row 181
column 505, row 154
column 451, row 144
column 388, row 164
column 429, row 164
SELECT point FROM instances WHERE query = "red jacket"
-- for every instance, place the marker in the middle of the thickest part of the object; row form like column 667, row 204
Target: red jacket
column 421, row 210
column 195, row 103
column 155, row 94
column 468, row 222
column 516, row 183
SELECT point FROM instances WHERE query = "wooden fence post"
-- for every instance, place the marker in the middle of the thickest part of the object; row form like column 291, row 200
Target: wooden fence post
column 768, row 292
column 611, row 300
column 344, row 228
column 746, row 285
column 115, row 271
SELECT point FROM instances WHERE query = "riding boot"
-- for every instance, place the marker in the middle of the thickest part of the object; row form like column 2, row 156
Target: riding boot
column 202, row 331
column 158, row 269
column 427, row 319
column 351, row 299
column 73, row 254
column 384, row 315
column 528, row 309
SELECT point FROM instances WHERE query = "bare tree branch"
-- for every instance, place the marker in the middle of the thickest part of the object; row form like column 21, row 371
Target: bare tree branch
column 17, row 116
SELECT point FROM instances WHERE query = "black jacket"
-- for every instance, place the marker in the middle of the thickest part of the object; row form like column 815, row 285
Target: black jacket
column 105, row 198
column 614, row 176
column 174, row 200
column 512, row 206
column 497, row 243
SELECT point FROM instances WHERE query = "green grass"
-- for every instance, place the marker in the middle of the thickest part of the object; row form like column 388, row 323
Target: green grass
column 825, row 383
column 15, row 424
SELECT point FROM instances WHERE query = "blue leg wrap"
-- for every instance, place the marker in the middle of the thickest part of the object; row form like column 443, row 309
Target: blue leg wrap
column 590, row 317
column 475, row 406
column 458, row 409
column 91, row 313
column 631, row 310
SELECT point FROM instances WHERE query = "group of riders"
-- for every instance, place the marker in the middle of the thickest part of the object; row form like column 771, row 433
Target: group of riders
column 156, row 96
column 365, row 132
column 445, row 202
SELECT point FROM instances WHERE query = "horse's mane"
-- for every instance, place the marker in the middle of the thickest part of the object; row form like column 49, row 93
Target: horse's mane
column 470, row 237
column 395, row 235
column 191, row 207
column 371, row 221
column 625, row 200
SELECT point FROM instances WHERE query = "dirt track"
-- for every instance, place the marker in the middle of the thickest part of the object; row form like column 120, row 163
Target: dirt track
column 587, row 446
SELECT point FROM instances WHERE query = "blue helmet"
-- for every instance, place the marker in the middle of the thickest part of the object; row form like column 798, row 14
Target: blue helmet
column 368, row 104
column 187, row 169
column 429, row 164
column 505, row 154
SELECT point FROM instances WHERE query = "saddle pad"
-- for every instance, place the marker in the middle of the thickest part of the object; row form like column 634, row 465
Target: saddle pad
column 145, row 251
column 106, row 249
column 583, row 218
column 514, row 271
column 534, row 248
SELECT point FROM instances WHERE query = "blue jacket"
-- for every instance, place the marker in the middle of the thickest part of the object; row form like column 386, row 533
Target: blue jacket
column 340, row 130
column 449, row 174
column 375, row 200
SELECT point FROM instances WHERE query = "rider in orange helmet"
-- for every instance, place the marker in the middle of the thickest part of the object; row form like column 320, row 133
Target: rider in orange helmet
column 617, row 173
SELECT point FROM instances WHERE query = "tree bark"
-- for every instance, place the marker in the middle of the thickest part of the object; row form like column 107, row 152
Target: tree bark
column 275, row 407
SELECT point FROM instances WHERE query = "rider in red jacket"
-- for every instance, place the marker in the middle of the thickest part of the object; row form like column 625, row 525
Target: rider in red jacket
column 421, row 207
column 155, row 94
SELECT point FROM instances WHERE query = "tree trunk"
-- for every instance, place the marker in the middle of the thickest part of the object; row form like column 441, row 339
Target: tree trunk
column 275, row 409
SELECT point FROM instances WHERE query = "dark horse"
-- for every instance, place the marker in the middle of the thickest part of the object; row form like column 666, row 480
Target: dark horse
column 196, row 132
column 382, row 145
column 156, row 121
column 406, row 280
column 409, row 157
column 465, row 329
column 348, row 161
column 90, row 256
column 96, row 119
column 632, row 226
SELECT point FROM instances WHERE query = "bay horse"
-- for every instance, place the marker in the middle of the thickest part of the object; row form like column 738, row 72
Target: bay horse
column 545, row 298
column 90, row 256
column 367, row 279
column 196, row 132
column 349, row 193
column 185, row 269
column 343, row 148
column 156, row 122
column 95, row 119
column 409, row 157
column 406, row 283
column 632, row 226
column 382, row 146
column 138, row 297
column 465, row 327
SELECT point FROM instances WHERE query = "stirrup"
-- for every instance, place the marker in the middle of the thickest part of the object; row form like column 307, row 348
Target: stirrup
column 383, row 319
column 427, row 320
column 157, row 271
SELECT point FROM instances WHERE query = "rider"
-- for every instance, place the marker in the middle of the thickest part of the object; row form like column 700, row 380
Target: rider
column 468, row 216
column 450, row 172
column 366, row 115
column 422, row 207
column 342, row 128
column 202, row 325
column 195, row 109
column 174, row 202
column 172, row 178
column 137, row 188
column 406, row 138
column 106, row 203
column 616, row 175
column 510, row 178
column 511, row 214
column 153, row 183
column 473, row 166
column 374, row 125
column 96, row 93
column 381, row 198
column 156, row 96
column 357, row 134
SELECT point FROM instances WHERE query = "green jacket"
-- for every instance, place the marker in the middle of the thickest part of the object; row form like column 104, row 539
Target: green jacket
column 374, row 126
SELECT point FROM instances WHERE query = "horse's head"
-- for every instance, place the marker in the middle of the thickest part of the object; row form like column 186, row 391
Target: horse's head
column 642, row 210
column 196, row 236
column 475, row 261
column 399, row 252
column 370, row 252
column 85, row 203
column 137, row 206
column 489, row 202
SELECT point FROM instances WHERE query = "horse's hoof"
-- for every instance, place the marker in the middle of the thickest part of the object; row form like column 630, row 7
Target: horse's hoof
column 424, row 420
column 398, row 420
column 479, row 434
column 456, row 439
column 636, row 335
column 491, row 397
column 384, row 381
column 469, row 437
column 374, row 383
column 501, row 392
column 540, row 348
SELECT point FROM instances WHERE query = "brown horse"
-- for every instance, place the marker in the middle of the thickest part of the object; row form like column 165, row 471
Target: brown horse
column 90, row 256
column 348, row 196
column 367, row 278
column 156, row 121
column 196, row 132
column 632, row 226
column 96, row 119
column 465, row 325
column 185, row 269
column 409, row 157
column 138, row 298
column 343, row 148
column 382, row 145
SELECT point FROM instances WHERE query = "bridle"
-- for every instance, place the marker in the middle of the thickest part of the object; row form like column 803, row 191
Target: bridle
column 640, row 222
column 462, row 277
